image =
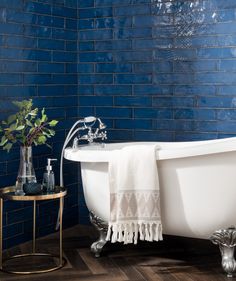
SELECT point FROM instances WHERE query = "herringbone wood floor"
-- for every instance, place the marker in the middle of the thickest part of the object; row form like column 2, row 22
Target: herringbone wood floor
column 174, row 259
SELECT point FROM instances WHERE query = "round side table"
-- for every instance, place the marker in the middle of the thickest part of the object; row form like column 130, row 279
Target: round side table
column 9, row 194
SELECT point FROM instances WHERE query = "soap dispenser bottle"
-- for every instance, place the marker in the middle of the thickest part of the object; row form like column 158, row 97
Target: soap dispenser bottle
column 48, row 177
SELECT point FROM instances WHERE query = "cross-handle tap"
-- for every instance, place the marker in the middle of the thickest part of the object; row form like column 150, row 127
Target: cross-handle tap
column 92, row 135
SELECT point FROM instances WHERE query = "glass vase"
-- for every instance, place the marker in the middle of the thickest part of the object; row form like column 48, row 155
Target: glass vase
column 26, row 173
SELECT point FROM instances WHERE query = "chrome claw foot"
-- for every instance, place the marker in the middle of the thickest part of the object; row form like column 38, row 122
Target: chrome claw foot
column 226, row 239
column 102, row 227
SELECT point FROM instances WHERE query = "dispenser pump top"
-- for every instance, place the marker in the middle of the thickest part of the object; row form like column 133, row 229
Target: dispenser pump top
column 49, row 166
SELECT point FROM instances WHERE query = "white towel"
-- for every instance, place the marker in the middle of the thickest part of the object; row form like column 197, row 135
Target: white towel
column 134, row 195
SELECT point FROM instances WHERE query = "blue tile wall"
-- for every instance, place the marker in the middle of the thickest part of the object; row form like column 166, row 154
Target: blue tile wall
column 38, row 60
column 159, row 70
column 169, row 66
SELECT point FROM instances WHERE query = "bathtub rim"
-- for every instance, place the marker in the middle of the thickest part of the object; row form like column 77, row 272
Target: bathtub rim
column 167, row 150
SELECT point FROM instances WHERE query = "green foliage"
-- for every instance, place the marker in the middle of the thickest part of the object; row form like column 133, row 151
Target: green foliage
column 26, row 127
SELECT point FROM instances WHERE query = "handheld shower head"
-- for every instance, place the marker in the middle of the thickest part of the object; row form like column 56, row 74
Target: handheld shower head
column 101, row 124
column 90, row 119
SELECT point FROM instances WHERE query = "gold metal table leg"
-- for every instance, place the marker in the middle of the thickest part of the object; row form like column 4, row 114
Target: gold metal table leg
column 1, row 215
column 61, row 213
column 34, row 227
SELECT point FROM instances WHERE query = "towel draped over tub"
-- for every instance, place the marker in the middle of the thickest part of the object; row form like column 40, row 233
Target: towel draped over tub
column 134, row 195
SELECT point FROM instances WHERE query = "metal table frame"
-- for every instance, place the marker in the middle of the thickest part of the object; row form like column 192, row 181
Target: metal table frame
column 9, row 193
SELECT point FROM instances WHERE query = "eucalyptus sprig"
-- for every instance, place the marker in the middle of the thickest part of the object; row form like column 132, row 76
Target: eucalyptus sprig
column 26, row 127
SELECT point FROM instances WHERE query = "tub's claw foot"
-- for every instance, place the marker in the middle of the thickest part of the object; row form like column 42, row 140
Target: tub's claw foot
column 226, row 239
column 102, row 227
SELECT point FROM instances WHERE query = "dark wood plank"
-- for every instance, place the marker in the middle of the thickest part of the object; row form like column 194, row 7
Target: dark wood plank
column 174, row 259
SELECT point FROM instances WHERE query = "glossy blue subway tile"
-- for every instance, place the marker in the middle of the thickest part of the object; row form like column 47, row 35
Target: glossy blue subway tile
column 11, row 78
column 71, row 3
column 95, row 101
column 14, row 4
column 175, row 54
column 136, row 10
column 121, row 22
column 162, row 43
column 71, row 24
column 37, row 55
column 195, row 90
column 162, row 66
column 226, row 127
column 153, row 136
column 152, row 20
column 86, row 24
column 133, row 56
column 64, row 79
column 227, row 90
column 20, row 41
column 221, row 78
column 130, row 33
column 196, row 66
column 64, row 12
column 64, row 34
column 20, row 91
column 173, row 102
column 113, row 45
column 111, row 90
column 19, row 66
column 186, row 136
column 12, row 230
column 217, row 102
column 209, row 53
column 59, row 56
column 114, row 112
column 37, row 78
column 153, row 89
column 133, row 124
column 86, row 89
column 96, row 57
column 38, row 31
column 51, row 44
column 112, row 2
column 3, row 168
column 96, row 34
column 133, row 78
column 226, row 114
column 227, row 65
column 195, row 114
column 174, row 78
column 38, row 8
column 11, row 28
column 85, row 68
column 85, row 4
column 157, row 113
column 95, row 79
column 225, row 4
column 86, row 46
column 134, row 101
column 72, row 46
column 113, row 67
column 120, row 135
column 50, row 90
column 21, row 17
column 95, row 12
column 50, row 67
column 50, row 21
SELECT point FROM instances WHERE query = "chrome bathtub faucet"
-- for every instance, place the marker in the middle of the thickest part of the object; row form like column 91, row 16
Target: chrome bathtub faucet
column 92, row 135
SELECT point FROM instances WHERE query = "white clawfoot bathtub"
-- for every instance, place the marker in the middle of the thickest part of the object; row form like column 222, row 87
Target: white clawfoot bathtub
column 197, row 184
